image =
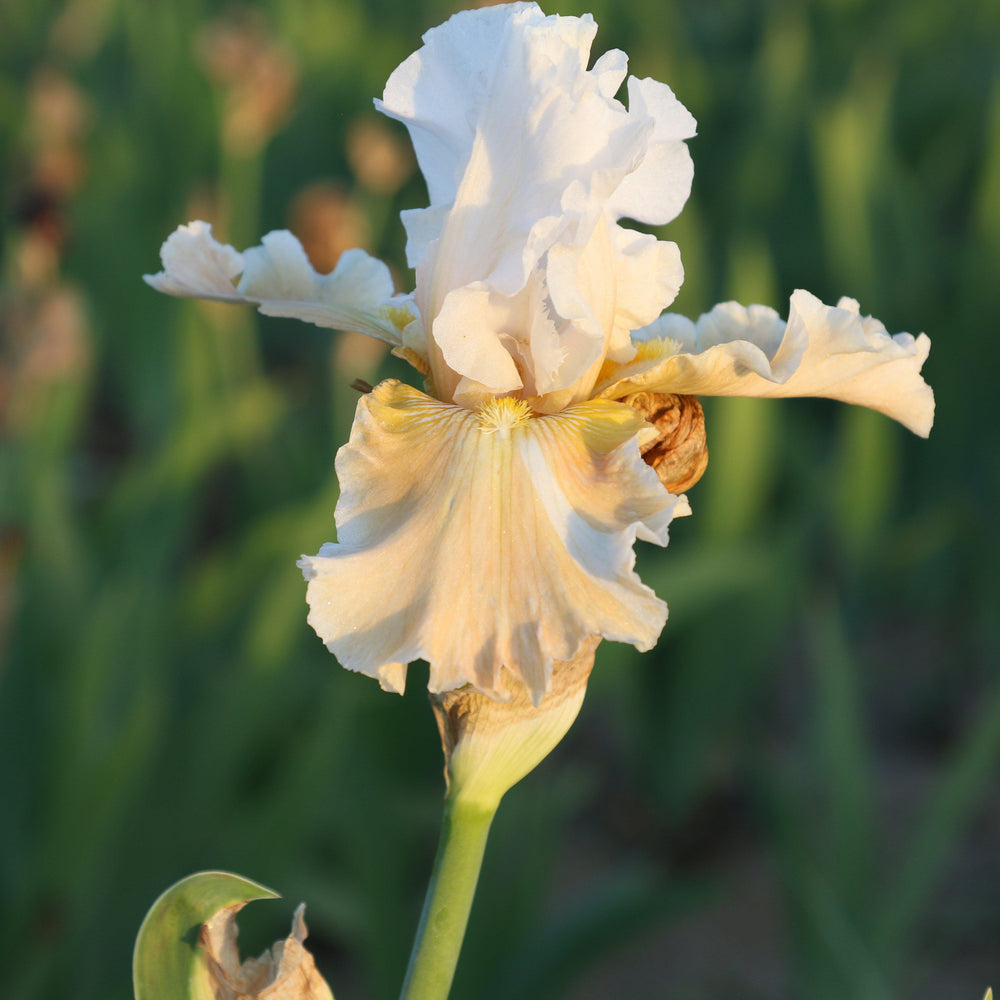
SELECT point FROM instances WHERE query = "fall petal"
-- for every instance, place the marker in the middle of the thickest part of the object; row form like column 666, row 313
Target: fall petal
column 485, row 541
column 829, row 351
column 278, row 278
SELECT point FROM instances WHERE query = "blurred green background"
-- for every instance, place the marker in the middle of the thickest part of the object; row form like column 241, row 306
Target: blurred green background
column 795, row 796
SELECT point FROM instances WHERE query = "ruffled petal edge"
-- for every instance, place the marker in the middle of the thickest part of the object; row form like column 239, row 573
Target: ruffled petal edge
column 278, row 279
column 828, row 351
column 486, row 541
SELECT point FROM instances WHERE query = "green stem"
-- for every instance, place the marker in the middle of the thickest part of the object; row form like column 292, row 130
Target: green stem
column 464, row 830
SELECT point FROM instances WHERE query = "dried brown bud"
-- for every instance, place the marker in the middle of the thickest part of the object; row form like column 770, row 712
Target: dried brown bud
column 677, row 452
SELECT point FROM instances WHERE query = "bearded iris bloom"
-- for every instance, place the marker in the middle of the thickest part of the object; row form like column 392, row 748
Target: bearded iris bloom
column 486, row 523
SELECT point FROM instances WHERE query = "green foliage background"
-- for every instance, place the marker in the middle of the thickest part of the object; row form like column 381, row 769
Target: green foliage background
column 794, row 797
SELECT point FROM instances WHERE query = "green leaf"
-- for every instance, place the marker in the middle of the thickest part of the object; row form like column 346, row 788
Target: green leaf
column 167, row 963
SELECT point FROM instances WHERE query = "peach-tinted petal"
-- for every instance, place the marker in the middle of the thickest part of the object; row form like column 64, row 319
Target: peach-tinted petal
column 486, row 540
column 830, row 351
column 278, row 278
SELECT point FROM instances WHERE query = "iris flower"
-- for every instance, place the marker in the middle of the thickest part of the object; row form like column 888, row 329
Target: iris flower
column 486, row 522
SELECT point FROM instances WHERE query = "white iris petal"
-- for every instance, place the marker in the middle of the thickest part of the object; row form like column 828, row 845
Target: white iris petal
column 278, row 278
column 829, row 351
column 530, row 162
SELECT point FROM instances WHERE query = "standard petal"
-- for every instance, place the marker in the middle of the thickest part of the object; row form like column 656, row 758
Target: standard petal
column 655, row 192
column 278, row 278
column 829, row 351
column 648, row 272
column 524, row 149
column 486, row 540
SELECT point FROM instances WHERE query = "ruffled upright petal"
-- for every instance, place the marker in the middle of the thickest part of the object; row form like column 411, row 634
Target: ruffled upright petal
column 484, row 541
column 657, row 189
column 530, row 162
column 829, row 351
column 278, row 279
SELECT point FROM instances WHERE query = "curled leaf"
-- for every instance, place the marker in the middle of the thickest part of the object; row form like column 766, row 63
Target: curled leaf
column 186, row 947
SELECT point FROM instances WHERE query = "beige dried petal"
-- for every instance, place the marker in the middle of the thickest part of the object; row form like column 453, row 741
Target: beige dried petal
column 286, row 971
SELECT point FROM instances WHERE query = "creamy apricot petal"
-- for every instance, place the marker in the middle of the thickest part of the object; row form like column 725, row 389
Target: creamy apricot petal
column 829, row 351
column 484, row 541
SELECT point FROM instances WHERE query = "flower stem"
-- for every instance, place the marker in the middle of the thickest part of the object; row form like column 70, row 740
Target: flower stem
column 464, row 830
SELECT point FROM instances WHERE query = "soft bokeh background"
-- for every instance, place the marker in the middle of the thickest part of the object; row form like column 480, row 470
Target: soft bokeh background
column 794, row 797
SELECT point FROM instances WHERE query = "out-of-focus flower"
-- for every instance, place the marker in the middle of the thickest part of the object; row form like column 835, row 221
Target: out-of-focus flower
column 258, row 77
column 50, row 165
column 379, row 160
column 48, row 343
column 59, row 116
column 327, row 222
column 81, row 27
column 487, row 524
column 44, row 337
